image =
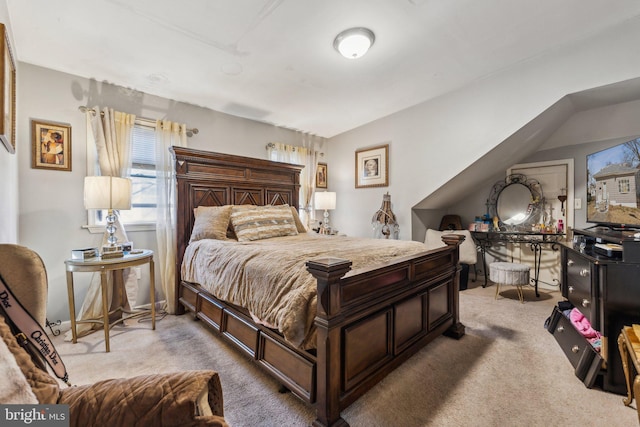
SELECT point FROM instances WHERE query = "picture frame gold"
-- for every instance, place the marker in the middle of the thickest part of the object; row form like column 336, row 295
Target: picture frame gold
column 321, row 175
column 372, row 167
column 51, row 146
column 7, row 93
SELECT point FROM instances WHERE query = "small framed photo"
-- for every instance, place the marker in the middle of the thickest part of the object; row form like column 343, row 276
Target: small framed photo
column 321, row 176
column 51, row 146
column 372, row 167
column 7, row 93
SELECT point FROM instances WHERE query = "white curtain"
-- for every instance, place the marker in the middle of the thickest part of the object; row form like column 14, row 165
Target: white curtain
column 306, row 155
column 109, row 132
column 167, row 134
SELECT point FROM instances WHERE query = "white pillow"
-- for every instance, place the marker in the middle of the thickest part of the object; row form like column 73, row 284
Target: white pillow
column 14, row 387
column 468, row 251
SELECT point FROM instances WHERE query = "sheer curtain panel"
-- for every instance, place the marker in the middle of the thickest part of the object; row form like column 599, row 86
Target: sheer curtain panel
column 306, row 155
column 167, row 134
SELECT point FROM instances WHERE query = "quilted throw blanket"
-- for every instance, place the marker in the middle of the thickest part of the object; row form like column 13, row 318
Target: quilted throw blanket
column 269, row 277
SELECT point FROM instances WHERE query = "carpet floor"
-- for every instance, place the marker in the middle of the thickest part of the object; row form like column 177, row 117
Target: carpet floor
column 507, row 370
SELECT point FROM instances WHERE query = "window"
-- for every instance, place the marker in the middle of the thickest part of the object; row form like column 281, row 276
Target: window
column 623, row 185
column 143, row 177
column 143, row 183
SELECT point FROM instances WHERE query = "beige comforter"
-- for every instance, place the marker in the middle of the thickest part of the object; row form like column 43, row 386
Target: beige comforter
column 269, row 277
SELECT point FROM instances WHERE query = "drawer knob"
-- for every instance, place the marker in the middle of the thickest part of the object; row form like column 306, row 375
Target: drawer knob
column 560, row 329
column 584, row 272
column 586, row 303
column 571, row 289
column 570, row 262
column 575, row 349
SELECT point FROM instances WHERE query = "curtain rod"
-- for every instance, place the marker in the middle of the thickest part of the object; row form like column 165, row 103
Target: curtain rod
column 272, row 145
column 190, row 132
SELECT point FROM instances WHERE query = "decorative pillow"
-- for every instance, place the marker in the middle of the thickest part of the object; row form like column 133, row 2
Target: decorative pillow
column 296, row 218
column 263, row 222
column 231, row 235
column 211, row 222
column 468, row 251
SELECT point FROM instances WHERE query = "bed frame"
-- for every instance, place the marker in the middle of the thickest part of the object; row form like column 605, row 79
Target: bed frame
column 368, row 322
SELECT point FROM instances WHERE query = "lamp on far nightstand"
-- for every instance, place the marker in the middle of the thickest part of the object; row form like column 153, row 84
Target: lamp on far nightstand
column 325, row 200
column 108, row 192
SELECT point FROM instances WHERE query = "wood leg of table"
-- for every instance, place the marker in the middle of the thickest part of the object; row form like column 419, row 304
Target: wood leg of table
column 624, row 355
column 72, row 306
column 152, row 293
column 105, row 308
column 636, row 392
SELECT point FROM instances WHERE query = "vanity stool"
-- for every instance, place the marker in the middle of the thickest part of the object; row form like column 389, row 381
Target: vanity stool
column 509, row 273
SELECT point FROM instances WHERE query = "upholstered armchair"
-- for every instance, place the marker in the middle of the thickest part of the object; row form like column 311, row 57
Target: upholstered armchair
column 188, row 398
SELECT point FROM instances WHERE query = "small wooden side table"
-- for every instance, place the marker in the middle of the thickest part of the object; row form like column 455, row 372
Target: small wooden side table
column 629, row 343
column 103, row 266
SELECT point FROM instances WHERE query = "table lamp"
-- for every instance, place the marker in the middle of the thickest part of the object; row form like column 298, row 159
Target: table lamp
column 107, row 192
column 325, row 200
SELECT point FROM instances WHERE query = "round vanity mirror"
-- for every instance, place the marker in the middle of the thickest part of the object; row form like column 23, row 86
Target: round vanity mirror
column 513, row 206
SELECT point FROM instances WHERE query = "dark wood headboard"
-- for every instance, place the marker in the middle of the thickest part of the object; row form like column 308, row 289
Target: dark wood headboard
column 213, row 179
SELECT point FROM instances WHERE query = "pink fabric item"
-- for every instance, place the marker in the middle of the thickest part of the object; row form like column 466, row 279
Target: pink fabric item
column 582, row 324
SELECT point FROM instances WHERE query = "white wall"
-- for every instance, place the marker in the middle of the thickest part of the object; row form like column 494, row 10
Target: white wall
column 51, row 203
column 433, row 142
column 429, row 143
column 8, row 170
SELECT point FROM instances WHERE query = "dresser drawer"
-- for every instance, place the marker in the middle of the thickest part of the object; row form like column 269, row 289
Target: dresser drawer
column 582, row 356
column 579, row 285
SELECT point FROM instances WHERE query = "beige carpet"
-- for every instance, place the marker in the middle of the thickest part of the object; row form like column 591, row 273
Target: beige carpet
column 506, row 371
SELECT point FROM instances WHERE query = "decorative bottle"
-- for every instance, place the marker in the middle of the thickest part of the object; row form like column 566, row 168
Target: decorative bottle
column 384, row 221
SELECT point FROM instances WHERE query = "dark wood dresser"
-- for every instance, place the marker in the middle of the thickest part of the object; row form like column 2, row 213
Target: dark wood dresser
column 606, row 290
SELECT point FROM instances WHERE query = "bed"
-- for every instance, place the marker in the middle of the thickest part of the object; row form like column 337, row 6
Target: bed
column 391, row 309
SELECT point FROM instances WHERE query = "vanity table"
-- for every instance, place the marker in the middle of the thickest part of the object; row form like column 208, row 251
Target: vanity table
column 518, row 209
column 536, row 241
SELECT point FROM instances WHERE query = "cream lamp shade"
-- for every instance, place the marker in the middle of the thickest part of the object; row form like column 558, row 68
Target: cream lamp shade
column 107, row 192
column 325, row 200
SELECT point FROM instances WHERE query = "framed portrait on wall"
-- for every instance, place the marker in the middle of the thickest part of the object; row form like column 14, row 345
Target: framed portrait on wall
column 51, row 146
column 7, row 93
column 372, row 167
column 321, row 176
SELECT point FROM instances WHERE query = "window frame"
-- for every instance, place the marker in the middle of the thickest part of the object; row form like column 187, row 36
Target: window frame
column 93, row 226
column 626, row 183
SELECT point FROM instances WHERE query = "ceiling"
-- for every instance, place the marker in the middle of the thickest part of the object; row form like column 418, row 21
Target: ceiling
column 273, row 60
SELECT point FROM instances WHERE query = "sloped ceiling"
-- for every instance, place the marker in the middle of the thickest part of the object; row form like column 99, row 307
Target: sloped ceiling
column 273, row 60
column 530, row 138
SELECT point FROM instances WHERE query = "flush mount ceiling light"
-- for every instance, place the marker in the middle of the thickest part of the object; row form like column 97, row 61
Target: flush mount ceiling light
column 354, row 42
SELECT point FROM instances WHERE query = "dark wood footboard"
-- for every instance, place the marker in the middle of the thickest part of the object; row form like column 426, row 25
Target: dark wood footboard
column 368, row 322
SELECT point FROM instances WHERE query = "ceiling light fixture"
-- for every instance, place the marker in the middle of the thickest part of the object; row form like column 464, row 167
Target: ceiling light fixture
column 354, row 42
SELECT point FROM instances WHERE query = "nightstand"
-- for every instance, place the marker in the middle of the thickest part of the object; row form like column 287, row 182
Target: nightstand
column 103, row 266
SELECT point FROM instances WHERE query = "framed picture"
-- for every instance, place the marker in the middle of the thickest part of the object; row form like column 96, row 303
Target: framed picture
column 321, row 176
column 7, row 93
column 51, row 146
column 372, row 167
